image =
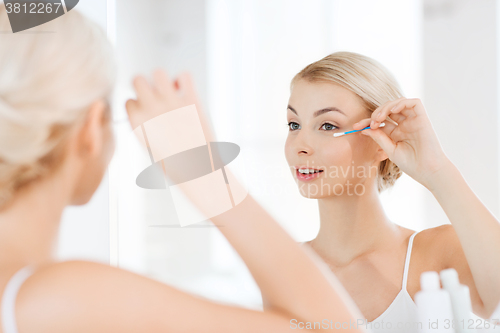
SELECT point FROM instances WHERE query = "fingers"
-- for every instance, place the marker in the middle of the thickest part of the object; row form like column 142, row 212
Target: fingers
column 382, row 139
column 185, row 84
column 143, row 89
column 188, row 92
column 163, row 83
column 394, row 119
column 132, row 106
column 381, row 113
column 362, row 124
column 414, row 104
column 182, row 86
column 160, row 95
column 388, row 128
column 377, row 116
column 407, row 107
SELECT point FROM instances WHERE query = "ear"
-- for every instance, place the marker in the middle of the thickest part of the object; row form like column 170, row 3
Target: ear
column 381, row 155
column 90, row 137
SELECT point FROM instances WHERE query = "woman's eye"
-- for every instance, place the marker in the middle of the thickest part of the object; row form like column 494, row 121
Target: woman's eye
column 293, row 126
column 328, row 127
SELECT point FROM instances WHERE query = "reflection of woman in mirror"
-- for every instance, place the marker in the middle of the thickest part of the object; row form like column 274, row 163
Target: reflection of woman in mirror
column 361, row 245
column 56, row 141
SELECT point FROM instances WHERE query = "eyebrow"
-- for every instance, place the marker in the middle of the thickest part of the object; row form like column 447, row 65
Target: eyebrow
column 320, row 112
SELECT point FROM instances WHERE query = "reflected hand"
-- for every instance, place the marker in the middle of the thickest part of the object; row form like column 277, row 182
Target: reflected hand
column 412, row 144
column 164, row 95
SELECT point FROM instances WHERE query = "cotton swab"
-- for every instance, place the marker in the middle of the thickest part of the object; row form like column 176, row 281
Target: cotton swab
column 344, row 133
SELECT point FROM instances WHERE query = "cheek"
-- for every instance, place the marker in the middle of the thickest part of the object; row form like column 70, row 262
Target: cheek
column 362, row 149
column 348, row 152
column 337, row 152
column 340, row 152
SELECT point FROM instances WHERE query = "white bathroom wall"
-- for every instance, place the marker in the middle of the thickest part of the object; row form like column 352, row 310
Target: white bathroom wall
column 461, row 93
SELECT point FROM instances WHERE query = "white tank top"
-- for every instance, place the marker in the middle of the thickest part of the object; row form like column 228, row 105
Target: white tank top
column 9, row 298
column 401, row 315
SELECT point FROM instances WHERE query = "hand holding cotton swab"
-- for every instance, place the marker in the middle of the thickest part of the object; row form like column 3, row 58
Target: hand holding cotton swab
column 344, row 133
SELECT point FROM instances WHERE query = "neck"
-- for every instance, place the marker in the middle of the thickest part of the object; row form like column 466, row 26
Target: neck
column 352, row 226
column 29, row 224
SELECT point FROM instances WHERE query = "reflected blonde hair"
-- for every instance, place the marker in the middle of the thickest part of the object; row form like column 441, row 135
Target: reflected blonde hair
column 51, row 74
column 368, row 79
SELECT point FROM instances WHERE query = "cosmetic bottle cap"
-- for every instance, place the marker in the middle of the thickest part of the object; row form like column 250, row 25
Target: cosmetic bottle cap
column 429, row 281
column 449, row 278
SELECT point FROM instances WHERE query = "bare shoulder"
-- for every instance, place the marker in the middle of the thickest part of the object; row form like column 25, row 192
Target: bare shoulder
column 441, row 249
column 70, row 272
column 437, row 245
column 76, row 275
column 60, row 294
column 430, row 252
column 430, row 234
column 81, row 296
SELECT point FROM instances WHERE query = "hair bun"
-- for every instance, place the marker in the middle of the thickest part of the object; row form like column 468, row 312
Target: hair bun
column 46, row 88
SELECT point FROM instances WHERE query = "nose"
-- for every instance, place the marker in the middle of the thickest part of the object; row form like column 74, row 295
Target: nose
column 302, row 144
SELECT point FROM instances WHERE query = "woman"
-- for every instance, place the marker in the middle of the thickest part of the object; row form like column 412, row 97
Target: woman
column 55, row 144
column 368, row 253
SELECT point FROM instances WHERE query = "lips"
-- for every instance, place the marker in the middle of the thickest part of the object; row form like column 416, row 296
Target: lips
column 306, row 166
column 306, row 173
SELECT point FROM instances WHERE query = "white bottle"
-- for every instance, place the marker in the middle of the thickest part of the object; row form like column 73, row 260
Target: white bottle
column 433, row 305
column 460, row 301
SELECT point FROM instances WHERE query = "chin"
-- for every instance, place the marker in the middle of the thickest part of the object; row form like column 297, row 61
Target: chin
column 315, row 189
column 84, row 195
column 320, row 190
column 81, row 201
column 87, row 186
column 313, row 196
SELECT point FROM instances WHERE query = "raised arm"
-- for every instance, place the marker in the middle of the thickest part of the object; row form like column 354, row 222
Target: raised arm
column 79, row 296
column 414, row 147
column 474, row 240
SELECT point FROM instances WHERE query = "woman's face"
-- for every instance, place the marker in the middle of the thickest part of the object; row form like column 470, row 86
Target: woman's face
column 348, row 163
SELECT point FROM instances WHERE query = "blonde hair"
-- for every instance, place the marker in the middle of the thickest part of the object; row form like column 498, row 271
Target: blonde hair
column 51, row 74
column 368, row 79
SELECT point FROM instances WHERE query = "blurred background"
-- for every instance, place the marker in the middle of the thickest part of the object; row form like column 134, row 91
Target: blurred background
column 242, row 55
